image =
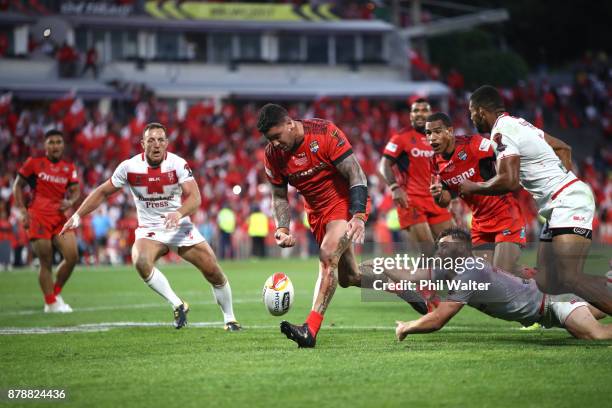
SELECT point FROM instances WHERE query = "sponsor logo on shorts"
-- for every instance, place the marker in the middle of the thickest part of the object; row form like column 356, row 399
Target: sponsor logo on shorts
column 580, row 231
column 314, row 146
column 579, row 218
column 150, row 234
column 462, row 155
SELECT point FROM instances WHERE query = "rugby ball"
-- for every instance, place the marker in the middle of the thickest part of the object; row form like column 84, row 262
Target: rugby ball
column 278, row 294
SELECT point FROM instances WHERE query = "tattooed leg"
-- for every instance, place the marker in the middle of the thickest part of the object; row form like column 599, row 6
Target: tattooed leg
column 333, row 246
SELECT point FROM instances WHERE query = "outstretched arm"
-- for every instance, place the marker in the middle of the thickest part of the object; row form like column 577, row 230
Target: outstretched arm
column 282, row 216
column 431, row 322
column 562, row 150
column 358, row 190
column 91, row 202
column 506, row 179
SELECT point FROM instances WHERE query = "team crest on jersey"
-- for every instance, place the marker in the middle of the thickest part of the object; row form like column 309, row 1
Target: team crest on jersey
column 314, row 146
column 497, row 138
column 462, row 155
column 506, row 232
column 171, row 178
column 336, row 136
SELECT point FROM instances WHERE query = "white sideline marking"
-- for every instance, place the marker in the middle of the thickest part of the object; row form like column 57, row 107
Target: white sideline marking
column 103, row 327
column 123, row 307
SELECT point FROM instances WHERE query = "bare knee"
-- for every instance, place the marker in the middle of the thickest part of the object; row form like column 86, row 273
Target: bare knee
column 70, row 260
column 143, row 265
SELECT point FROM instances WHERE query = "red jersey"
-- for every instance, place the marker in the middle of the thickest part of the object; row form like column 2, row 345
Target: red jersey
column 412, row 154
column 49, row 181
column 474, row 159
column 311, row 168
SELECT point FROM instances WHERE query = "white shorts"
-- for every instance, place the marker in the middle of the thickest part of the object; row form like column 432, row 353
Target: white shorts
column 572, row 209
column 184, row 236
column 558, row 307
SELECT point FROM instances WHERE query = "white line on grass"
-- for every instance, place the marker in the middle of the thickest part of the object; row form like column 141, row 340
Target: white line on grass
column 124, row 307
column 102, row 327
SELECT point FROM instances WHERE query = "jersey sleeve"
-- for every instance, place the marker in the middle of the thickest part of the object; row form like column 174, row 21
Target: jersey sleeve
column 183, row 171
column 481, row 147
column 336, row 146
column 27, row 170
column 119, row 177
column 393, row 148
column 272, row 172
column 74, row 175
column 505, row 140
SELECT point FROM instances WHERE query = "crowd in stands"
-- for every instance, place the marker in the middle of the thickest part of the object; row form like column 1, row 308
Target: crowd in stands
column 225, row 150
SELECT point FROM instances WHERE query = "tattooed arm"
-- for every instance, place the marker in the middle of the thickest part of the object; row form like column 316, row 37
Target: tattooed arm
column 385, row 168
column 282, row 216
column 358, row 190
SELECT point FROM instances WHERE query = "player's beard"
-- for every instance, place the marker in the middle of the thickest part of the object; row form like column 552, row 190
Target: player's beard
column 482, row 126
column 152, row 162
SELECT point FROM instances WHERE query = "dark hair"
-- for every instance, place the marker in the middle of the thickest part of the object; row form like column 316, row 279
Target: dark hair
column 441, row 116
column 420, row 100
column 53, row 132
column 153, row 125
column 270, row 115
column 458, row 234
column 487, row 97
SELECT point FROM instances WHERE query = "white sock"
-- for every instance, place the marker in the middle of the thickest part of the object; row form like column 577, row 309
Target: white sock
column 223, row 296
column 158, row 282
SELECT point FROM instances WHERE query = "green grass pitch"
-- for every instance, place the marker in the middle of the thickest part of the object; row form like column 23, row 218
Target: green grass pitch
column 118, row 349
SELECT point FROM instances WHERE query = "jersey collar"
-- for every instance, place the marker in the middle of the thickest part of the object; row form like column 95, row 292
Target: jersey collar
column 500, row 116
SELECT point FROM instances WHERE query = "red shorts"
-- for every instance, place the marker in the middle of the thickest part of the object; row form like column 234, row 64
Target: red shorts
column 318, row 220
column 422, row 210
column 502, row 231
column 45, row 226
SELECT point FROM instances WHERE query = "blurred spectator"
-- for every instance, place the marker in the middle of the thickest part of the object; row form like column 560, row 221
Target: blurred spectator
column 226, row 219
column 258, row 231
column 67, row 59
column 6, row 238
column 101, row 224
column 91, row 62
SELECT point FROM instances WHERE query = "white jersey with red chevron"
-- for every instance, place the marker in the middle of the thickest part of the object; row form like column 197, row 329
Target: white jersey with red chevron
column 156, row 190
column 541, row 171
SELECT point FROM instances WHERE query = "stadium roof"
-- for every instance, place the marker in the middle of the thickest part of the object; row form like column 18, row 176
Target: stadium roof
column 304, row 90
column 137, row 22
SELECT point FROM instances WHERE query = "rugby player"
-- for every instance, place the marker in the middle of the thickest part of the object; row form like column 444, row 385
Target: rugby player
column 528, row 156
column 410, row 153
column 317, row 159
column 157, row 179
column 498, row 226
column 503, row 296
column 56, row 189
